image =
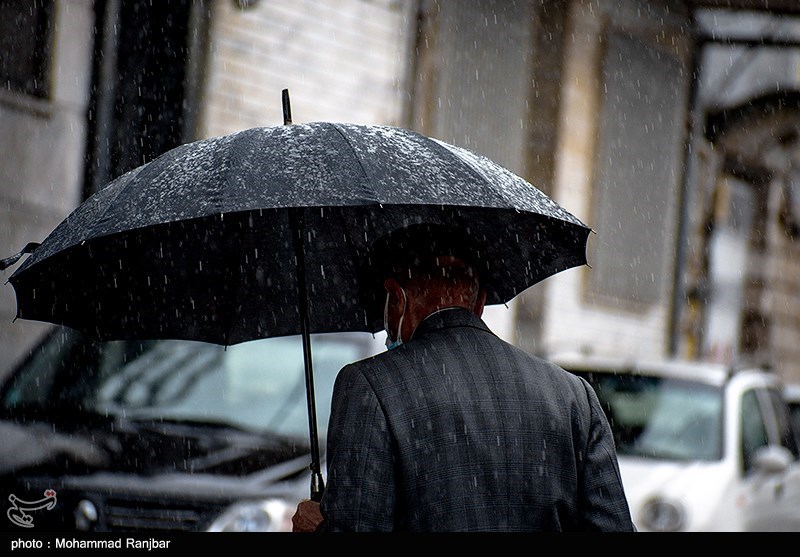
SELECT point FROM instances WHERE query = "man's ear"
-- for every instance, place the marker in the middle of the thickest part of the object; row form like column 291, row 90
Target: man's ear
column 393, row 287
column 480, row 303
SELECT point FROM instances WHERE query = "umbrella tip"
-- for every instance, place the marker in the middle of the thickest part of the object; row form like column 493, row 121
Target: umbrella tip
column 287, row 109
column 9, row 261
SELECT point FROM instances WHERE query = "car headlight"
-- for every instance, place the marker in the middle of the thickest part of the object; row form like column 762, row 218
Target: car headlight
column 267, row 515
column 662, row 515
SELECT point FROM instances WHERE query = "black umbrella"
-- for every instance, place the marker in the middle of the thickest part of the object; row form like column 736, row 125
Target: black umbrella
column 269, row 232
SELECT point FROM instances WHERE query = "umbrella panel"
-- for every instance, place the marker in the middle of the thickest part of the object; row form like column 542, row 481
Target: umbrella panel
column 233, row 277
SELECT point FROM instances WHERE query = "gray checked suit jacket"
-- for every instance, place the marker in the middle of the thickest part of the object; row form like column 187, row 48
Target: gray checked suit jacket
column 458, row 430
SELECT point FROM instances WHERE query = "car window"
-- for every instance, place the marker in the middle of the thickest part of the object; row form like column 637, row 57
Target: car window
column 661, row 418
column 786, row 427
column 257, row 385
column 794, row 413
column 754, row 430
column 40, row 372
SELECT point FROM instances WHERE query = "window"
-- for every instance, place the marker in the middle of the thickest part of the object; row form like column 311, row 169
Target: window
column 254, row 386
column 754, row 431
column 784, row 420
column 636, row 172
column 26, row 35
column 478, row 91
column 661, row 418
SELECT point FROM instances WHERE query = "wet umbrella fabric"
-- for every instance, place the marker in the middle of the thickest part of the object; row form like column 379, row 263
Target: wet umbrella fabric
column 197, row 244
column 269, row 232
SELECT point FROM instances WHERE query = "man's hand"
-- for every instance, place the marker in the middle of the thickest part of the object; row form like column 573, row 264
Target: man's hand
column 307, row 517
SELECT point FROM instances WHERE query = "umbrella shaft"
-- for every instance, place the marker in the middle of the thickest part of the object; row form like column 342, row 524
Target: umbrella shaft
column 298, row 227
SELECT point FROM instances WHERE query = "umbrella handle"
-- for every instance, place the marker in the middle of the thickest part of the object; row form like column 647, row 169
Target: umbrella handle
column 317, row 483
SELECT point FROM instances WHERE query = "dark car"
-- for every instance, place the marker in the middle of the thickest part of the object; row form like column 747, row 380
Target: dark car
column 167, row 435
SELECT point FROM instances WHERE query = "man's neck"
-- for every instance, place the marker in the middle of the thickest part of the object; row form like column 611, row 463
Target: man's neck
column 435, row 312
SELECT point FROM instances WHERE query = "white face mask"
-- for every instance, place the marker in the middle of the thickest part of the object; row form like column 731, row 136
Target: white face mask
column 399, row 341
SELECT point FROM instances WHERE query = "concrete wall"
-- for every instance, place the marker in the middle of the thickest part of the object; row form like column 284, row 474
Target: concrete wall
column 41, row 161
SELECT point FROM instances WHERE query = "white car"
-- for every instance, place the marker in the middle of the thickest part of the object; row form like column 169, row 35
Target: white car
column 700, row 447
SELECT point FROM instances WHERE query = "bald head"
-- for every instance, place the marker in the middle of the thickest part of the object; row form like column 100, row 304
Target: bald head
column 424, row 268
column 438, row 281
column 427, row 284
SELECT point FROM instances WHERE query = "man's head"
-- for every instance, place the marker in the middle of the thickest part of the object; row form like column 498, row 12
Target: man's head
column 427, row 268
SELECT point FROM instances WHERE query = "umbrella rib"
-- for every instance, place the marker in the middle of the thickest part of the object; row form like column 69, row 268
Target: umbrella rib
column 219, row 208
column 356, row 156
column 126, row 184
column 440, row 148
column 236, row 256
column 90, row 233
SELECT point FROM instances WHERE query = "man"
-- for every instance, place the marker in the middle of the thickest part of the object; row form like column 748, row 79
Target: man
column 454, row 429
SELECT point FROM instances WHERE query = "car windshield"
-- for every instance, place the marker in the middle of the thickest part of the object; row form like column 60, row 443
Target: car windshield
column 661, row 418
column 257, row 386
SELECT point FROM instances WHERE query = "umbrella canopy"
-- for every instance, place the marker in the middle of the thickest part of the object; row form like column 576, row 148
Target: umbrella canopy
column 198, row 244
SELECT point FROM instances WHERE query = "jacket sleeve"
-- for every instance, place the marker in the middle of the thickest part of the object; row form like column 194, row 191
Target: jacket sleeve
column 360, row 492
column 603, row 502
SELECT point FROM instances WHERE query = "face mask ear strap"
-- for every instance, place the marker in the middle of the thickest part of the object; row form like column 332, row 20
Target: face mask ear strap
column 398, row 341
column 402, row 315
column 386, row 312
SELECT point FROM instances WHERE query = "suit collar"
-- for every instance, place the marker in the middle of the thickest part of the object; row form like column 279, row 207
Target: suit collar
column 449, row 317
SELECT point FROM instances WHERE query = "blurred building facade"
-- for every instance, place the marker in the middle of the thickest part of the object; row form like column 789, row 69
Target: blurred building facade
column 44, row 97
column 605, row 106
